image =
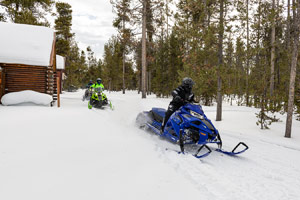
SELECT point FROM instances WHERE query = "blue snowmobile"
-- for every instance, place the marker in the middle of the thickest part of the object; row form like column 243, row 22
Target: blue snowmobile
column 187, row 126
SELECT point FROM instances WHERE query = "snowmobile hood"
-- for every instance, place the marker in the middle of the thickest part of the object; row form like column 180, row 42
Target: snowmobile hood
column 194, row 107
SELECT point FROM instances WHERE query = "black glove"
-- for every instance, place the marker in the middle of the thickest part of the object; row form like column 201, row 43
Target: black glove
column 191, row 98
column 178, row 99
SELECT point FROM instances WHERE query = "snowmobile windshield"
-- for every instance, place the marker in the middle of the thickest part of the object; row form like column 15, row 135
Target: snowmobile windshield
column 99, row 89
column 194, row 107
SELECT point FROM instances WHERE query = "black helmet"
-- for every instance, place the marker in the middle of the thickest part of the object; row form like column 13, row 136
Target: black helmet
column 187, row 83
column 99, row 81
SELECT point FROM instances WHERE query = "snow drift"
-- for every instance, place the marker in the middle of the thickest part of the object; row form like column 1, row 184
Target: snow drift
column 26, row 96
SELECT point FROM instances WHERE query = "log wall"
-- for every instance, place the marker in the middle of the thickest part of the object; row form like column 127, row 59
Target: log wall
column 23, row 77
column 1, row 85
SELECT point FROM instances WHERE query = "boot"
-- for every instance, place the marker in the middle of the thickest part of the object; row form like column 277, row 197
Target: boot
column 162, row 127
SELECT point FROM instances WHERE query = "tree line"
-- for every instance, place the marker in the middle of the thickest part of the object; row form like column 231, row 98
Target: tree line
column 81, row 65
column 236, row 50
column 240, row 50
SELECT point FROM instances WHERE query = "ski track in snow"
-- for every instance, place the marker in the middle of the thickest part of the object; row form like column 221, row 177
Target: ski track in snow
column 270, row 169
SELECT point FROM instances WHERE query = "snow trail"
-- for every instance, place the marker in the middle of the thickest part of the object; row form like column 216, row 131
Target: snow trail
column 76, row 153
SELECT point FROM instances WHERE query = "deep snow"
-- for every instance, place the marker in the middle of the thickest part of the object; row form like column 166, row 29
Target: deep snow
column 76, row 153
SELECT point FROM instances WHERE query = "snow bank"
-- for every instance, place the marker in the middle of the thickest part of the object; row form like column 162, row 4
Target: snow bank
column 25, row 44
column 27, row 96
column 60, row 62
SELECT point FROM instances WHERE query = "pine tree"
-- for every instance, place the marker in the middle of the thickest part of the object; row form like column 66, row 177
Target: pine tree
column 94, row 66
column 63, row 25
column 67, row 47
column 75, row 68
column 122, row 9
column 199, row 50
column 145, row 14
column 272, row 49
column 27, row 12
column 2, row 17
column 164, row 54
column 229, row 65
column 260, row 77
column 112, row 64
column 244, row 9
column 144, row 48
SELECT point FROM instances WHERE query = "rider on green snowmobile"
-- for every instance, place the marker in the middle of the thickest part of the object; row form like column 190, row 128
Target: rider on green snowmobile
column 98, row 84
column 97, row 95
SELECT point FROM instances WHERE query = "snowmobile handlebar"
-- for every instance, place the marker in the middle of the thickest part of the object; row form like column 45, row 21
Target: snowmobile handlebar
column 99, row 89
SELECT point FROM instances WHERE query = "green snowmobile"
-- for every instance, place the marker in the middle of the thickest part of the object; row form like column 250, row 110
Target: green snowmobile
column 98, row 99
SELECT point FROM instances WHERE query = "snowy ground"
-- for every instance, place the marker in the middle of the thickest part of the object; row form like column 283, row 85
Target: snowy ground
column 76, row 153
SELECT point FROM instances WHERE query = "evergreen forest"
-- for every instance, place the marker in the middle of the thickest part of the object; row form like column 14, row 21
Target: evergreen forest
column 234, row 50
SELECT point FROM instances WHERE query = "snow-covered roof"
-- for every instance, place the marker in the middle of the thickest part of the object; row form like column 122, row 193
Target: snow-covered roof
column 60, row 62
column 25, row 44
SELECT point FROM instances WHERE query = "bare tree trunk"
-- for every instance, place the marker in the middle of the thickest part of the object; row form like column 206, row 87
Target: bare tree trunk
column 272, row 50
column 288, row 30
column 139, row 83
column 293, row 8
column 220, row 60
column 288, row 43
column 167, row 4
column 123, row 71
column 257, row 59
column 123, row 55
column 16, row 12
column 296, row 22
column 149, row 82
column 144, row 67
column 247, row 67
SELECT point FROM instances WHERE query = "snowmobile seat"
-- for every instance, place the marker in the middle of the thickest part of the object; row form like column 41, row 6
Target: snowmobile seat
column 158, row 114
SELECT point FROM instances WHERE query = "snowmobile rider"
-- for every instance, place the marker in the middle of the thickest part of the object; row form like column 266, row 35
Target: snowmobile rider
column 98, row 84
column 86, row 93
column 181, row 95
column 89, row 84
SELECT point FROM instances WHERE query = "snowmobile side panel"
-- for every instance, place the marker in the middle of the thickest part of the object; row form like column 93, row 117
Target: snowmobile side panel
column 155, row 130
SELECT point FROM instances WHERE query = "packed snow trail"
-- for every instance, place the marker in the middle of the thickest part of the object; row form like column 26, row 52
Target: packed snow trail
column 76, row 153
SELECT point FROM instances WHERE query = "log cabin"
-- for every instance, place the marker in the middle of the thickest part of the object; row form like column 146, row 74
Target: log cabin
column 27, row 59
